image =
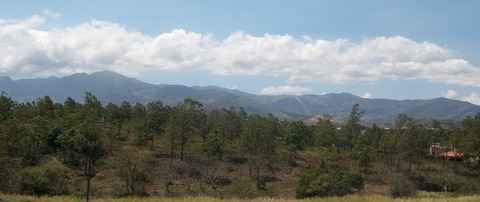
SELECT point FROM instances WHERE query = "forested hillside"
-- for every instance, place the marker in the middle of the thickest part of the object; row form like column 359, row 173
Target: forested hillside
column 95, row 149
column 112, row 87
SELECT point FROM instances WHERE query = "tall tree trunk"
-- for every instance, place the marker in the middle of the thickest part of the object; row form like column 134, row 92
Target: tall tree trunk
column 151, row 143
column 410, row 160
column 172, row 140
column 181, row 150
column 398, row 163
column 391, row 160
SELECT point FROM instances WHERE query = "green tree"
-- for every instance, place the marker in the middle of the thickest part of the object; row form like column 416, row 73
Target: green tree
column 213, row 146
column 70, row 104
column 413, row 140
column 471, row 140
column 138, row 121
column 10, row 138
column 70, row 142
column 204, row 121
column 229, row 125
column 297, row 135
column 93, row 106
column 126, row 110
column 45, row 108
column 366, row 145
column 182, row 124
column 34, row 140
column 259, row 142
column 353, row 128
column 316, row 183
column 325, row 132
column 6, row 107
column 114, row 119
column 52, row 178
column 156, row 117
column 400, row 126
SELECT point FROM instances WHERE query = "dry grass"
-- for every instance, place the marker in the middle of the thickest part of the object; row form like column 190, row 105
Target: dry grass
column 356, row 198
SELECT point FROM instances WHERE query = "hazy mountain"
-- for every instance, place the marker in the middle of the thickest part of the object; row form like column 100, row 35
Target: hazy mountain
column 112, row 87
column 376, row 110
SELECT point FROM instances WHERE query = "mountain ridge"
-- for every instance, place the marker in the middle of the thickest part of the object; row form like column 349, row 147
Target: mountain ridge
column 113, row 87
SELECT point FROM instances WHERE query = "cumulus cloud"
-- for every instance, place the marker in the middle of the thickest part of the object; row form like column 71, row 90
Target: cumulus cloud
column 450, row 94
column 367, row 95
column 28, row 51
column 473, row 98
column 285, row 90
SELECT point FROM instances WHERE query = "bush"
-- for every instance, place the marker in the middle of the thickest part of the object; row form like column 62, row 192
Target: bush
column 221, row 181
column 315, row 183
column 468, row 188
column 33, row 181
column 423, row 184
column 237, row 160
column 401, row 187
column 242, row 189
column 48, row 179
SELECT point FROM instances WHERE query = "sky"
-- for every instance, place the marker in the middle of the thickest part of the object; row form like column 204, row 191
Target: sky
column 389, row 49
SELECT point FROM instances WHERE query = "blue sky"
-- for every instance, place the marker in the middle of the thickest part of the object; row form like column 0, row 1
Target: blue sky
column 376, row 49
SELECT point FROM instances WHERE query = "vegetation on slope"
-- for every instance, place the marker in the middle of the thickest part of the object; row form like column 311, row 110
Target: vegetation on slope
column 183, row 151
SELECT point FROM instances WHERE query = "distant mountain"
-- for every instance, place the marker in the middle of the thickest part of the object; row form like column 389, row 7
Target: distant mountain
column 376, row 110
column 112, row 87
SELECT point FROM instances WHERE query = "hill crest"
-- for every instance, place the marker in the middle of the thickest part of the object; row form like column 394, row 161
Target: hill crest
column 110, row 86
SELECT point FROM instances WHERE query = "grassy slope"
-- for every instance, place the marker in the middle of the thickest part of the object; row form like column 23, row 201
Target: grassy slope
column 357, row 198
column 286, row 177
column 106, row 184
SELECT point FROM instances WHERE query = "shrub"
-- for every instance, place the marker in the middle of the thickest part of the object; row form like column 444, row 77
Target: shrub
column 469, row 188
column 423, row 184
column 315, row 183
column 33, row 181
column 237, row 160
column 241, row 188
column 401, row 187
column 48, row 179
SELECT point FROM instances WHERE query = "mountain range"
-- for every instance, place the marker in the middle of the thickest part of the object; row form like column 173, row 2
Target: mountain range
column 112, row 87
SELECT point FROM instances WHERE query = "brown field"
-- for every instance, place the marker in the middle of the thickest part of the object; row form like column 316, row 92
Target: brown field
column 421, row 197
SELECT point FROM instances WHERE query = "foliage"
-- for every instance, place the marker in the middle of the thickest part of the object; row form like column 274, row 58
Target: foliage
column 297, row 135
column 325, row 132
column 213, row 147
column 6, row 107
column 425, row 184
column 242, row 189
column 51, row 178
column 47, row 148
column 401, row 187
column 315, row 183
column 259, row 142
column 131, row 166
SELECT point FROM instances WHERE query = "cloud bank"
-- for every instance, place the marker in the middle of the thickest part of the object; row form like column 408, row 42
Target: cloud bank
column 473, row 98
column 285, row 90
column 28, row 51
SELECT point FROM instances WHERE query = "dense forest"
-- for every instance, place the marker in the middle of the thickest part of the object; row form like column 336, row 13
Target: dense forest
column 88, row 149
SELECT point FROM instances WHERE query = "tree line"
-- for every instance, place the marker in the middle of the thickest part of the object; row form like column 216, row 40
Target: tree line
column 49, row 148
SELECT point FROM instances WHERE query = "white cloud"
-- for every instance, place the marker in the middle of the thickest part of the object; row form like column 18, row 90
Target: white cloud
column 51, row 14
column 450, row 94
column 473, row 98
column 367, row 95
column 28, row 51
column 286, row 90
